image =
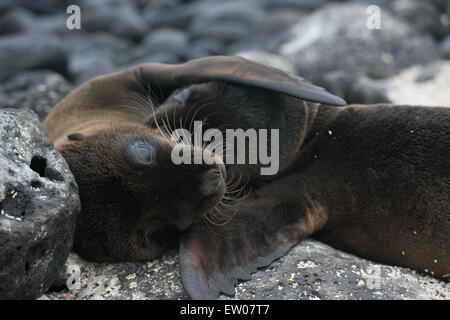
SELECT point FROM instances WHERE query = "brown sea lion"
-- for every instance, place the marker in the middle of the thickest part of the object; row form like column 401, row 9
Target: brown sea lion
column 373, row 180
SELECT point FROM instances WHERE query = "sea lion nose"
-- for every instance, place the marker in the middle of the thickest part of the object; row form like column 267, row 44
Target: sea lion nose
column 212, row 180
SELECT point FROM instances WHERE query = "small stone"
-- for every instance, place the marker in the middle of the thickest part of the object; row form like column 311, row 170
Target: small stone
column 133, row 285
column 131, row 276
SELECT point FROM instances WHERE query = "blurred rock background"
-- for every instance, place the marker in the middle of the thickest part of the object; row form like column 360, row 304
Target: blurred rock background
column 325, row 41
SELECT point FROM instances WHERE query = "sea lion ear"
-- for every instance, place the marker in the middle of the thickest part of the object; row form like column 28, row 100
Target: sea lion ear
column 237, row 70
column 76, row 136
column 212, row 259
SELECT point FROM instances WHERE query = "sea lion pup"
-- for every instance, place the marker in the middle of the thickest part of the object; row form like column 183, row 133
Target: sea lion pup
column 372, row 180
column 135, row 200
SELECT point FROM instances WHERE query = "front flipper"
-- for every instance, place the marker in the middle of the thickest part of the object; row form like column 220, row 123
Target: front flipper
column 213, row 257
column 211, row 264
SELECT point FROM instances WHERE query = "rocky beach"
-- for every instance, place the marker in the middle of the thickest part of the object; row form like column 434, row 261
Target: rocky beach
column 405, row 61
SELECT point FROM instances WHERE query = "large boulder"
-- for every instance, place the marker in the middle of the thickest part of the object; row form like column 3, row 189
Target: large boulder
column 345, row 43
column 38, row 207
column 310, row 270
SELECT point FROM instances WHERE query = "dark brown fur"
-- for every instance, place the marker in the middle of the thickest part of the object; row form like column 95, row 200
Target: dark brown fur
column 373, row 180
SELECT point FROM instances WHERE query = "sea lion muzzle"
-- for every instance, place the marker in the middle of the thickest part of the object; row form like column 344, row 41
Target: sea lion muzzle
column 213, row 180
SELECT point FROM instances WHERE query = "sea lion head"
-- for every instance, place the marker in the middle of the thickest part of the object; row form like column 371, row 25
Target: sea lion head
column 135, row 200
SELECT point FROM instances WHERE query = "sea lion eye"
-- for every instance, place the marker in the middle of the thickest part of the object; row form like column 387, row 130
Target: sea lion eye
column 146, row 154
column 142, row 154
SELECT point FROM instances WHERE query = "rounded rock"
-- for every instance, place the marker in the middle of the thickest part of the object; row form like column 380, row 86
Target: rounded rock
column 38, row 207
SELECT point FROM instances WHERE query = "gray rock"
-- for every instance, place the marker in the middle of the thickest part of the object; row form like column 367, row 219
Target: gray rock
column 345, row 43
column 15, row 20
column 156, row 5
column 441, row 5
column 170, row 17
column 296, row 4
column 38, row 206
column 310, row 270
column 166, row 40
column 30, row 52
column 158, row 279
column 40, row 7
column 313, row 271
column 6, row 5
column 277, row 21
column 224, row 31
column 355, row 88
column 234, row 10
column 380, row 3
column 269, row 33
column 430, row 71
column 156, row 57
column 228, row 21
column 19, row 20
column 36, row 90
column 427, row 85
column 204, row 47
column 423, row 16
column 445, row 48
column 95, row 54
column 118, row 18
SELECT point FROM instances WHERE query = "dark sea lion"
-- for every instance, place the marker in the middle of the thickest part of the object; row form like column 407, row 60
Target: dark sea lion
column 135, row 200
column 373, row 180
